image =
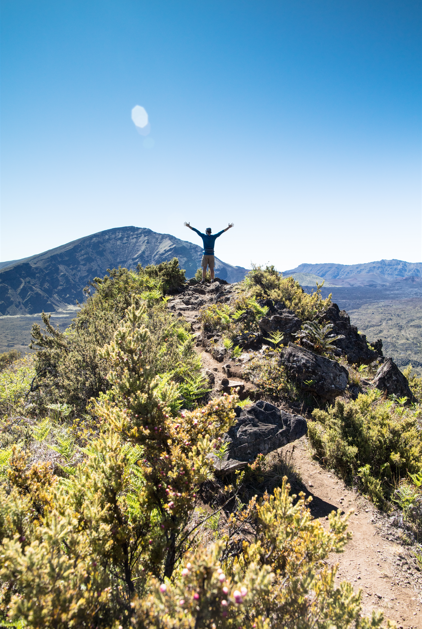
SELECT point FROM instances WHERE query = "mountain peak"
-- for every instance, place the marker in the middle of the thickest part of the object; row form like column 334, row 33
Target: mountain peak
column 54, row 280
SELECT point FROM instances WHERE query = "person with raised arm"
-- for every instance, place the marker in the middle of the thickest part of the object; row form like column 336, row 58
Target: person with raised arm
column 208, row 240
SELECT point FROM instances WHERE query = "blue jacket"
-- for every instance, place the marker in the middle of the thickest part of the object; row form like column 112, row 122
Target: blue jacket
column 208, row 241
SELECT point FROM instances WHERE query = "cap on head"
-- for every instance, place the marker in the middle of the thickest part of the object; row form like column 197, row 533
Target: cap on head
column 208, row 230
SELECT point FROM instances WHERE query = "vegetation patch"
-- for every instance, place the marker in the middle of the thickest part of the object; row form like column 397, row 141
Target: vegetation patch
column 370, row 440
column 268, row 283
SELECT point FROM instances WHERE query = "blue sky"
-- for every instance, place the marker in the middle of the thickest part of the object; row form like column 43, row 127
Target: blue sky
column 298, row 120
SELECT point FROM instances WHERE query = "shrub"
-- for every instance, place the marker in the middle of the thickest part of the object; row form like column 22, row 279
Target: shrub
column 370, row 439
column 69, row 367
column 278, row 579
column 270, row 376
column 92, row 540
column 7, row 358
column 239, row 317
column 15, row 383
column 415, row 383
column 268, row 283
column 167, row 274
column 198, row 275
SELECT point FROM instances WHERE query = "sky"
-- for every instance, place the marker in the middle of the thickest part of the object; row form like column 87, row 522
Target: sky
column 297, row 120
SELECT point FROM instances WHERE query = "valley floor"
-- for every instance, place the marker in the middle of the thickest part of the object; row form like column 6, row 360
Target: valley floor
column 398, row 323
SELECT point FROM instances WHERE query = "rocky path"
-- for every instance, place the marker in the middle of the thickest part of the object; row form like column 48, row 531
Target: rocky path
column 376, row 560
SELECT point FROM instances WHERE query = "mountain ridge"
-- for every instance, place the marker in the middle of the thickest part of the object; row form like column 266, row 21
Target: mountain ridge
column 377, row 273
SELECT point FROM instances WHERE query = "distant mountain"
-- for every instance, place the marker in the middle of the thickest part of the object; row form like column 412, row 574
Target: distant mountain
column 54, row 280
column 380, row 273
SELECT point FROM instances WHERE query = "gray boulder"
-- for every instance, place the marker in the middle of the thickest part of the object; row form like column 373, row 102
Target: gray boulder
column 260, row 428
column 315, row 374
column 284, row 321
column 390, row 379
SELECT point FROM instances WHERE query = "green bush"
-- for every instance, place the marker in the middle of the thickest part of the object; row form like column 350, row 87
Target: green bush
column 319, row 337
column 167, row 274
column 370, row 439
column 69, row 367
column 415, row 383
column 15, row 383
column 89, row 543
column 198, row 275
column 239, row 317
column 270, row 376
column 268, row 283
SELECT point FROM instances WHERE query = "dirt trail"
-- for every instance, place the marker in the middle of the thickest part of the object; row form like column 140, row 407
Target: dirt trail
column 374, row 561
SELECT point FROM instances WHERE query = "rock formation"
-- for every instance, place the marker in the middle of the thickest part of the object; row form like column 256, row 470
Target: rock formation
column 390, row 379
column 315, row 374
column 259, row 429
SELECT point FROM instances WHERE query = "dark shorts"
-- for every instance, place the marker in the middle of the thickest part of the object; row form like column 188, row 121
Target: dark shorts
column 208, row 261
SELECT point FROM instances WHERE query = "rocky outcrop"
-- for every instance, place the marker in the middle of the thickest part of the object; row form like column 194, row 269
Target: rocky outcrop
column 285, row 321
column 259, row 429
column 315, row 374
column 390, row 379
column 353, row 345
column 248, row 341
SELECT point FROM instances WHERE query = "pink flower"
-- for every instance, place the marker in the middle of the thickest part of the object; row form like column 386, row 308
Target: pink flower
column 225, row 590
column 237, row 596
column 224, row 603
column 243, row 590
column 221, row 577
column 196, row 596
column 163, row 588
column 189, row 566
column 181, row 602
column 185, row 572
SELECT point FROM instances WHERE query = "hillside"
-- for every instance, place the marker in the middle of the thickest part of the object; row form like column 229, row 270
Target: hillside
column 146, row 447
column 54, row 280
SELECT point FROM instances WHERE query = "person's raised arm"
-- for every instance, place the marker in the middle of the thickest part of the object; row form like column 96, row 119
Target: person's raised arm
column 224, row 230
column 193, row 228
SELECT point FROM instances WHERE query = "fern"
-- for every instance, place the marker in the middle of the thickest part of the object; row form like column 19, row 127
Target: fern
column 318, row 336
column 417, row 479
column 42, row 431
column 192, row 390
column 275, row 338
column 237, row 352
column 65, row 447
